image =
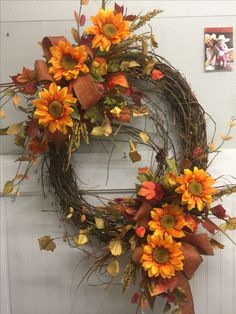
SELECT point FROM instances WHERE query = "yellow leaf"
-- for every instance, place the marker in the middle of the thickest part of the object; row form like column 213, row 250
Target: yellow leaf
column 16, row 100
column 15, row 129
column 231, row 224
column 75, row 35
column 80, row 239
column 115, row 246
column 113, row 268
column 2, row 114
column 107, row 127
column 99, row 222
column 97, row 131
column 140, row 112
column 46, row 243
column 132, row 146
column 232, row 123
column 149, row 67
column 8, row 187
column 116, row 112
column 223, row 227
column 128, row 64
column 144, row 137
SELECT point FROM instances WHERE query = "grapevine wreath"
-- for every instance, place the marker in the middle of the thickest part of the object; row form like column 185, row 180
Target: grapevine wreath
column 98, row 88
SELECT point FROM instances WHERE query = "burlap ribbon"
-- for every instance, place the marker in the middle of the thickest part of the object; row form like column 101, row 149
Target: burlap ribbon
column 84, row 86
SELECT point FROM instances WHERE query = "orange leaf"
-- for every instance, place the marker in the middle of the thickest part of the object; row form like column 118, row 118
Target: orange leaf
column 36, row 146
column 156, row 75
column 16, row 100
column 117, row 79
column 140, row 231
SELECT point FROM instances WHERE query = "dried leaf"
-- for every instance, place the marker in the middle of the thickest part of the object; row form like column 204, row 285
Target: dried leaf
column 3, row 131
column 80, row 239
column 144, row 137
column 2, row 114
column 77, row 18
column 83, row 218
column 232, row 122
column 85, row 2
column 25, row 158
column 216, row 245
column 113, row 268
column 97, row 131
column 172, row 165
column 75, row 35
column 135, row 156
column 99, row 222
column 179, row 295
column 167, row 307
column 22, row 176
column 46, row 243
column 231, row 223
column 226, row 137
column 115, row 246
column 16, row 100
column 104, row 129
column 82, row 20
column 211, row 146
column 125, row 65
column 223, row 227
column 210, row 226
column 149, row 67
column 19, row 141
column 15, row 129
column 8, row 187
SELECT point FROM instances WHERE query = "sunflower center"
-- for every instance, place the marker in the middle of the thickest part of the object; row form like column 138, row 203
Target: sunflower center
column 167, row 221
column 55, row 109
column 68, row 62
column 109, row 30
column 161, row 255
column 195, row 188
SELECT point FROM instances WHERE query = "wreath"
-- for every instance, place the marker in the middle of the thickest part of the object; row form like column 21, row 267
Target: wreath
column 96, row 89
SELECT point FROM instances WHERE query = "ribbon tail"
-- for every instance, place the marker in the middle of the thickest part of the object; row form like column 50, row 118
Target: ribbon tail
column 86, row 91
column 200, row 241
column 192, row 259
column 187, row 307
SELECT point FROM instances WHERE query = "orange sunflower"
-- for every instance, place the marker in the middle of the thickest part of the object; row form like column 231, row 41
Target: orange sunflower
column 67, row 61
column 162, row 256
column 169, row 219
column 108, row 28
column 196, row 188
column 53, row 108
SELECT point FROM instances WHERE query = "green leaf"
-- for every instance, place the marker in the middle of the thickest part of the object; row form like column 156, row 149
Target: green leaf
column 179, row 295
column 172, row 165
column 75, row 114
column 8, row 187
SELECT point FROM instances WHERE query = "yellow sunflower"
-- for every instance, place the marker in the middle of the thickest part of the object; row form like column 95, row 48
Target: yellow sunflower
column 162, row 256
column 196, row 188
column 53, row 108
column 168, row 220
column 108, row 28
column 67, row 61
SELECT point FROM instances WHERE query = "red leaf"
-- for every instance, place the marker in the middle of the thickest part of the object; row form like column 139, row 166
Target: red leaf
column 130, row 17
column 119, row 9
column 32, row 128
column 36, row 146
column 219, row 211
column 197, row 152
column 164, row 285
column 82, row 20
column 140, row 231
column 135, row 298
column 210, row 226
column 156, row 75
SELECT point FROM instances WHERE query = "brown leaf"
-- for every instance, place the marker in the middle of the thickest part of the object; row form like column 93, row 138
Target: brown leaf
column 231, row 223
column 216, row 245
column 135, row 156
column 75, row 35
column 25, row 158
column 46, row 243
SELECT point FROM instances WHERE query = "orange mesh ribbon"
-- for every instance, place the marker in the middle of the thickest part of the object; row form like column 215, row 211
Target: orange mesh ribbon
column 192, row 259
column 41, row 70
column 200, row 241
column 49, row 42
column 182, row 282
column 86, row 91
column 143, row 215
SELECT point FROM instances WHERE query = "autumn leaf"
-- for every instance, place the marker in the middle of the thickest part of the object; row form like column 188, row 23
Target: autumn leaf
column 115, row 247
column 15, row 129
column 210, row 226
column 71, row 212
column 172, row 165
column 82, row 20
column 104, row 129
column 125, row 65
column 46, row 243
column 75, row 35
column 140, row 231
column 156, row 75
column 83, row 218
column 117, row 79
column 99, row 222
column 231, row 223
column 2, row 114
column 113, row 268
column 8, row 187
column 36, row 146
column 16, row 100
column 226, row 137
column 134, row 155
column 85, row 2
column 232, row 122
column 25, row 158
column 22, row 176
column 211, row 146
column 144, row 137
column 216, row 245
column 80, row 239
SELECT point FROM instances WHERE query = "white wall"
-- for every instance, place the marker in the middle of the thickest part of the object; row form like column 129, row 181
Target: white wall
column 35, row 282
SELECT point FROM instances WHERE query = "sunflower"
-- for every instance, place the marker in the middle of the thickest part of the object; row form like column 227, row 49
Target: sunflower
column 67, row 61
column 168, row 220
column 196, row 188
column 162, row 256
column 53, row 108
column 108, row 28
